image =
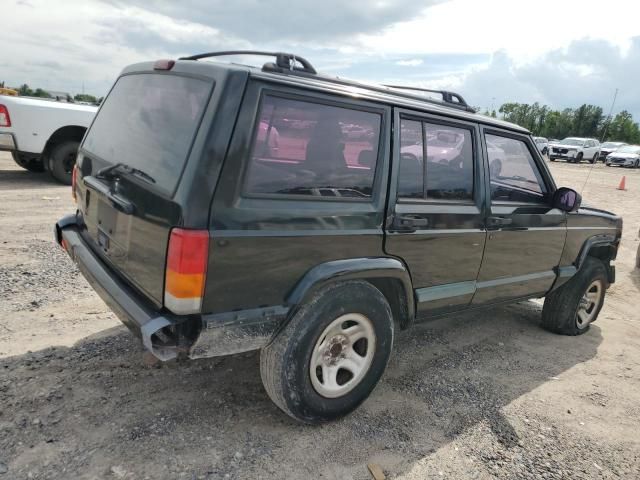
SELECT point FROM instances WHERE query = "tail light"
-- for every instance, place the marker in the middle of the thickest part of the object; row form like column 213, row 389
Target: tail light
column 5, row 119
column 186, row 271
column 74, row 181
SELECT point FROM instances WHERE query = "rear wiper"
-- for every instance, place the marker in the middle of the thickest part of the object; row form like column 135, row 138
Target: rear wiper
column 108, row 172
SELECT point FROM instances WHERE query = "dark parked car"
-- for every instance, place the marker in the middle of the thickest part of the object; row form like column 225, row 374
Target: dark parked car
column 207, row 236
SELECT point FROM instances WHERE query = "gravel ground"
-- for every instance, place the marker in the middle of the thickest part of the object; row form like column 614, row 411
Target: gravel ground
column 488, row 395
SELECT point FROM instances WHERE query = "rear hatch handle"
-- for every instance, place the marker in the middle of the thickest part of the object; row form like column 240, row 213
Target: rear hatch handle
column 119, row 202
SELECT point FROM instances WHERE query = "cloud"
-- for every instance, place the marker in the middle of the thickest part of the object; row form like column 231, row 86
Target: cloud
column 414, row 62
column 587, row 71
column 283, row 21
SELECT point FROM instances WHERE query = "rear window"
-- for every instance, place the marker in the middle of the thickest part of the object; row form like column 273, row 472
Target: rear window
column 313, row 149
column 148, row 122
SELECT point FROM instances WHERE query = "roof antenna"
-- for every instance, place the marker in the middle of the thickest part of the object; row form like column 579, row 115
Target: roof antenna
column 604, row 134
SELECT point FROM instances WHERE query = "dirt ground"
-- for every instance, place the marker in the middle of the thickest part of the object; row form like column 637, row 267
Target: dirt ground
column 488, row 395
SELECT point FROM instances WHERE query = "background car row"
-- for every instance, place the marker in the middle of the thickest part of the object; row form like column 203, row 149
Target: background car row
column 577, row 149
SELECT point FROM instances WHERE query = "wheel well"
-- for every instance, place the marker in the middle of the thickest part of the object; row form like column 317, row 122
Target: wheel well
column 64, row 134
column 394, row 292
column 602, row 252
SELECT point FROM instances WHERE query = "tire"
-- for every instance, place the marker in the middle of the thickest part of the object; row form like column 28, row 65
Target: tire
column 578, row 158
column 565, row 309
column 552, row 159
column 31, row 164
column 594, row 159
column 285, row 364
column 636, row 164
column 545, row 151
column 62, row 160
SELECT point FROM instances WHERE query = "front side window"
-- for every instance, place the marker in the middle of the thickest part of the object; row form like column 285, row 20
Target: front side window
column 513, row 173
column 306, row 148
column 447, row 173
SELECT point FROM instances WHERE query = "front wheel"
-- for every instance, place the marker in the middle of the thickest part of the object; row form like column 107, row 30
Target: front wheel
column 579, row 158
column 574, row 306
column 330, row 356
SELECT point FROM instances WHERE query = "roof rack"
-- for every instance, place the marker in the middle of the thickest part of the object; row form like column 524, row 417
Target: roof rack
column 284, row 61
column 447, row 96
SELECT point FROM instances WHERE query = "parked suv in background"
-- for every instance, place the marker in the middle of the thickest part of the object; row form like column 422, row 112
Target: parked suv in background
column 376, row 208
column 609, row 147
column 575, row 149
column 542, row 144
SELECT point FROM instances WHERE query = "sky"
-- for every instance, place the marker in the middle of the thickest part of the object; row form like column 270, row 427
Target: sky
column 562, row 53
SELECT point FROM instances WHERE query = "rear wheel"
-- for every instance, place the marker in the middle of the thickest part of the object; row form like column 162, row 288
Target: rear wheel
column 594, row 159
column 62, row 161
column 636, row 164
column 330, row 356
column 573, row 307
column 28, row 163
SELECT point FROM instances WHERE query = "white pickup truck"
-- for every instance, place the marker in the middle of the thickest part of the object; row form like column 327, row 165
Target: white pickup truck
column 43, row 135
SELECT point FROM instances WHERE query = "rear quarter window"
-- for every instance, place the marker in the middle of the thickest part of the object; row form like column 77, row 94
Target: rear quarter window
column 148, row 122
column 313, row 149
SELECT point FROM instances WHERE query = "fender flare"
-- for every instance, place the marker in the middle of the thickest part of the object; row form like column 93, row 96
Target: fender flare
column 564, row 273
column 605, row 239
column 367, row 268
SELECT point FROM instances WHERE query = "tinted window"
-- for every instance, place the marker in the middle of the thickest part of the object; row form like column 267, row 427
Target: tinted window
column 514, row 174
column 448, row 171
column 305, row 148
column 148, row 122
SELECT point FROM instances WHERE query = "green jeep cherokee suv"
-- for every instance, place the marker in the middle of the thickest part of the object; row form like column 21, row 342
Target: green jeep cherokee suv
column 223, row 208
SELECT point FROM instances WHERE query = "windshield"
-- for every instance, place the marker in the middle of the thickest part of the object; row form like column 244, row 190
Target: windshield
column 629, row 149
column 147, row 123
column 572, row 141
column 612, row 144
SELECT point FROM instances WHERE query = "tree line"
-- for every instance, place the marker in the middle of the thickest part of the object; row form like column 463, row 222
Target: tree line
column 584, row 121
column 25, row 91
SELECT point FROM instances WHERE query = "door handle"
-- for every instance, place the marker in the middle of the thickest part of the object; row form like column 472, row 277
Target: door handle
column 494, row 223
column 410, row 222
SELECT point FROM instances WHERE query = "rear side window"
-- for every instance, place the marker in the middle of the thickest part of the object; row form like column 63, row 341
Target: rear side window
column 447, row 173
column 148, row 122
column 307, row 148
column 513, row 172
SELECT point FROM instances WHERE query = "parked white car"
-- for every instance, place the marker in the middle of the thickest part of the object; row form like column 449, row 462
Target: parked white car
column 43, row 134
column 609, row 147
column 542, row 144
column 575, row 149
column 627, row 156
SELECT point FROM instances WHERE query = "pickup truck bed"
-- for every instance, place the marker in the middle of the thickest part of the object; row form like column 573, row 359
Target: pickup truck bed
column 43, row 134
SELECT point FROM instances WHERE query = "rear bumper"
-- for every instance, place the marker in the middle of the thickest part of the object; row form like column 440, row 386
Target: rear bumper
column 166, row 335
column 7, row 142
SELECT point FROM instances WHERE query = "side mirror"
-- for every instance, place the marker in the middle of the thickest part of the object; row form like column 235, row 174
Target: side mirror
column 567, row 199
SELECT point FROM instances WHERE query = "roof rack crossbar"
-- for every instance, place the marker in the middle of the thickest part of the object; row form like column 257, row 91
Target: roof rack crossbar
column 447, row 96
column 284, row 61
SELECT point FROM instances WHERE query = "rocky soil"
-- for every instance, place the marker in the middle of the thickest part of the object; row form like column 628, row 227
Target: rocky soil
column 488, row 395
